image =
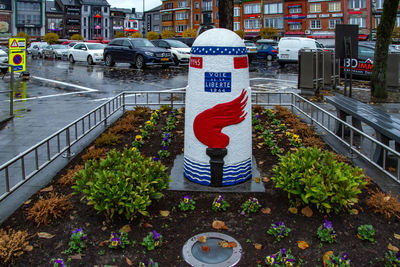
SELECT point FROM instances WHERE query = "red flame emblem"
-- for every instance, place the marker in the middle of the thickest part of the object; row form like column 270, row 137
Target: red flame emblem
column 208, row 125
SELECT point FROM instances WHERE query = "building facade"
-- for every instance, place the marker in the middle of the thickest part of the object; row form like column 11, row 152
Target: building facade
column 72, row 17
column 117, row 16
column 54, row 18
column 176, row 15
column 95, row 19
column 5, row 20
column 29, row 17
column 134, row 22
column 152, row 20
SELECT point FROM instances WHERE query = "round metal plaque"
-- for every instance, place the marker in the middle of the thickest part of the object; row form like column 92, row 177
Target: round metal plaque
column 215, row 255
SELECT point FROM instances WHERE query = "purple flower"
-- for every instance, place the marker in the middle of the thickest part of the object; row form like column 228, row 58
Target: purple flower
column 156, row 236
column 156, row 159
column 344, row 256
column 327, row 224
column 167, row 135
column 165, row 139
column 398, row 255
column 219, row 199
column 164, row 148
column 78, row 231
column 242, row 213
column 283, row 252
column 151, row 263
column 60, row 262
column 186, row 198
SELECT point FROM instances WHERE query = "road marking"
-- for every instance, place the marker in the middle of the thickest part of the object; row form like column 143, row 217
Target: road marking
column 47, row 96
column 66, row 84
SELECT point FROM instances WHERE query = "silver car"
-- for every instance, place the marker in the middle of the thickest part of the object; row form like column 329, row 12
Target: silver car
column 3, row 59
column 55, row 51
column 37, row 49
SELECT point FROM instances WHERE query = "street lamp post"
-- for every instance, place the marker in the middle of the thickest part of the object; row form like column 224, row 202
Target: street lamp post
column 143, row 22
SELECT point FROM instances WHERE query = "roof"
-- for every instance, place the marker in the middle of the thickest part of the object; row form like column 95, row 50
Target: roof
column 95, row 2
column 70, row 2
column 125, row 10
column 157, row 8
column 52, row 7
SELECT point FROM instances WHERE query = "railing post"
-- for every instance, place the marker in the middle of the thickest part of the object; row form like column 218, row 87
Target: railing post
column 123, row 103
column 12, row 92
column 68, row 140
column 105, row 115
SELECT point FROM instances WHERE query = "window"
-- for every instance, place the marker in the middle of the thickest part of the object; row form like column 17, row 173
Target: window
column 358, row 21
column 334, row 7
column 207, row 18
column 296, row 10
column 252, row 9
column 295, row 27
column 106, row 22
column 156, row 16
column 207, row 5
column 274, row 8
column 105, row 9
column 379, row 4
column 106, row 35
column 28, row 13
column 333, row 22
column 216, row 15
column 377, row 21
column 315, row 7
column 156, row 28
column 398, row 22
column 236, row 26
column 126, row 43
column 85, row 21
column 167, row 17
column 181, row 16
column 252, row 24
column 168, row 5
column 315, row 24
column 86, row 8
column 273, row 23
column 196, row 5
column 236, row 12
column 84, row 33
column 54, row 24
column 196, row 17
column 357, row 4
column 182, row 4
column 181, row 28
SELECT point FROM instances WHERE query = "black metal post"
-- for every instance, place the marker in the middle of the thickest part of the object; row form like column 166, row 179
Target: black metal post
column 217, row 165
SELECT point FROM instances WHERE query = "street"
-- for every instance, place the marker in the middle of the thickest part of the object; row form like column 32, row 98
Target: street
column 60, row 92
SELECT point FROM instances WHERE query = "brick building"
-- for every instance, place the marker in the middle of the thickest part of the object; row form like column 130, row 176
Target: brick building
column 295, row 17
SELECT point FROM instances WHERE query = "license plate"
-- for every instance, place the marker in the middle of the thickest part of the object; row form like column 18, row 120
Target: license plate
column 164, row 59
column 284, row 56
column 253, row 50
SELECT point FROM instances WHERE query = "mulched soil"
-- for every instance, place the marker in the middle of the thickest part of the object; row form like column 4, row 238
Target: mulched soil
column 179, row 226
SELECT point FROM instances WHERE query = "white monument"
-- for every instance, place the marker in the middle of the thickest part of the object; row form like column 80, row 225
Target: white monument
column 218, row 147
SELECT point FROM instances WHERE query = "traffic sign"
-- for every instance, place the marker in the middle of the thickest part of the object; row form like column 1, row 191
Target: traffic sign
column 17, row 43
column 17, row 58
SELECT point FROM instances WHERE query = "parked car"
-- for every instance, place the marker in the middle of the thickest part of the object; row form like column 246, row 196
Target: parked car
column 288, row 48
column 90, row 52
column 4, row 48
column 180, row 51
column 136, row 51
column 267, row 51
column 37, row 50
column 31, row 45
column 55, row 51
column 251, row 49
column 187, row 40
column 3, row 59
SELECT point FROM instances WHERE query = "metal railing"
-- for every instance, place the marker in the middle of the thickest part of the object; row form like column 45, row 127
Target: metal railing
column 23, row 167
column 11, row 91
column 42, row 154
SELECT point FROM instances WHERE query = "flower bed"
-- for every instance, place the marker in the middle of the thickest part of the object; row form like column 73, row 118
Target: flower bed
column 271, row 228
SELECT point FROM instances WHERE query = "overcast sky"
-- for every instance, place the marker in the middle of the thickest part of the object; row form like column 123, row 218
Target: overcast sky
column 138, row 4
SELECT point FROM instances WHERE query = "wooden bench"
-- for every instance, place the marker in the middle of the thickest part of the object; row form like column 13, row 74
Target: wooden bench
column 386, row 127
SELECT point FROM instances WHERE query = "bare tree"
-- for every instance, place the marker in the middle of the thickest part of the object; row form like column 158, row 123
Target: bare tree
column 383, row 38
column 225, row 11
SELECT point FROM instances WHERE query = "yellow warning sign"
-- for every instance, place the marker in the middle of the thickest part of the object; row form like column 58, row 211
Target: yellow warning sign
column 16, row 44
column 17, row 58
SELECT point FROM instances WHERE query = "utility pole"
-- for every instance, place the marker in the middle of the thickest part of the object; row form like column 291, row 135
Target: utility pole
column 143, row 30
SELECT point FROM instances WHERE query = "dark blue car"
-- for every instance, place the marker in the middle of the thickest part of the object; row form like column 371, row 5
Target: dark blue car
column 266, row 51
column 139, row 52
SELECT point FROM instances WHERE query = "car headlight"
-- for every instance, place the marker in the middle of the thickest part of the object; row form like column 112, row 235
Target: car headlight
column 181, row 52
column 149, row 54
column 98, row 54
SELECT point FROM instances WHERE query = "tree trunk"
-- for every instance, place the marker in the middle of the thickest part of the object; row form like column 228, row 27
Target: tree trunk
column 225, row 11
column 383, row 38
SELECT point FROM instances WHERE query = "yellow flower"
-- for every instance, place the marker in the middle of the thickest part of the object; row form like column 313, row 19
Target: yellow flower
column 186, row 200
column 217, row 204
column 134, row 149
column 156, row 243
column 114, row 243
column 270, row 260
column 138, row 138
column 282, row 125
column 149, row 122
column 287, row 134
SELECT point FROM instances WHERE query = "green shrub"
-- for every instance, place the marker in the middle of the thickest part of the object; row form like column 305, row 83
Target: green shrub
column 51, row 38
column 152, row 36
column 76, row 36
column 312, row 176
column 123, row 183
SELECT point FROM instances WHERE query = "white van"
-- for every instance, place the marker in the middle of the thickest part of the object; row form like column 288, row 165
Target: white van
column 288, row 48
